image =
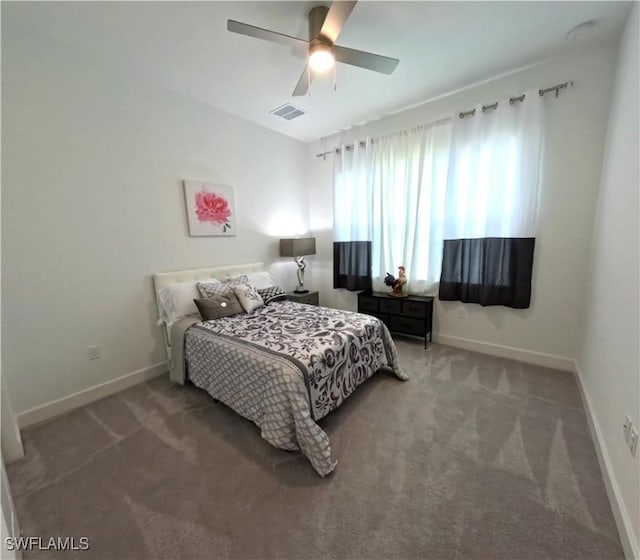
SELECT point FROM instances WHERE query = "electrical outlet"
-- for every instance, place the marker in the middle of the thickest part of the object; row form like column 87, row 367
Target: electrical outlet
column 462, row 314
column 633, row 440
column 626, row 427
column 93, row 352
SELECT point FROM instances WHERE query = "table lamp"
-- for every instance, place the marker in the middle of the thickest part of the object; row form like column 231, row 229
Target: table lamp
column 298, row 248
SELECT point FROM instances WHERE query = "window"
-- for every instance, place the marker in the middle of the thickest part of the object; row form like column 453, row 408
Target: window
column 452, row 202
column 491, row 209
column 392, row 192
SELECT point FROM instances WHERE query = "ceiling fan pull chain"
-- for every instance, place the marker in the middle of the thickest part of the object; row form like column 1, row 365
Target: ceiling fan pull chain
column 309, row 79
column 334, row 77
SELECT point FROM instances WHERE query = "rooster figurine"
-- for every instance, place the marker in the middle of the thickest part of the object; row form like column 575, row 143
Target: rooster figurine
column 397, row 284
column 389, row 279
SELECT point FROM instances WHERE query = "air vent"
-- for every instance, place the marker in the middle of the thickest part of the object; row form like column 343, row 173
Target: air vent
column 287, row 111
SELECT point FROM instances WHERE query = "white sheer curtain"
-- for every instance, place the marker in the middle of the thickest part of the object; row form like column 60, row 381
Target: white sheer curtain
column 492, row 188
column 391, row 191
column 353, row 193
column 491, row 209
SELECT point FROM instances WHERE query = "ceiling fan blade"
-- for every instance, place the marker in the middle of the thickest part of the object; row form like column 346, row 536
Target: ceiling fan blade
column 303, row 83
column 259, row 33
column 366, row 60
column 338, row 13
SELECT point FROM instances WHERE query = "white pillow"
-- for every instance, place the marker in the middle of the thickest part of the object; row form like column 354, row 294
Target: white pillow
column 261, row 280
column 176, row 300
column 248, row 297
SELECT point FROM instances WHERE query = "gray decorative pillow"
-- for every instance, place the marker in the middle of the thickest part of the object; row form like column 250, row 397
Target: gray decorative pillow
column 274, row 293
column 219, row 306
column 212, row 289
column 235, row 280
column 248, row 296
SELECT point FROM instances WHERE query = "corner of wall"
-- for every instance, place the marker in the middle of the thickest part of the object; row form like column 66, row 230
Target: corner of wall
column 607, row 362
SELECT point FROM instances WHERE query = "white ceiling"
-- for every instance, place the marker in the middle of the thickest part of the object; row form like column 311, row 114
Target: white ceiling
column 441, row 46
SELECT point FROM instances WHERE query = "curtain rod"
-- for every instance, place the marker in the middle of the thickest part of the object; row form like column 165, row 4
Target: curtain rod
column 518, row 99
column 463, row 114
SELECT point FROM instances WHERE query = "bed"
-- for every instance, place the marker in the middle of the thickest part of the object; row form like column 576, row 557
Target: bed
column 284, row 366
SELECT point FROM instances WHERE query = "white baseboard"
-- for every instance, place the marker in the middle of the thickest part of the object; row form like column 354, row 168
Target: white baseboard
column 81, row 398
column 527, row 356
column 620, row 514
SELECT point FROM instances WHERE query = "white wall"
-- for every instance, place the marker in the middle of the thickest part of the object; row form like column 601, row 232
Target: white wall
column 93, row 206
column 10, row 435
column 575, row 130
column 11, row 449
column 609, row 360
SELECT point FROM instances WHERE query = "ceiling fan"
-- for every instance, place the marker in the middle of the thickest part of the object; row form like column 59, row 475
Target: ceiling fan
column 325, row 24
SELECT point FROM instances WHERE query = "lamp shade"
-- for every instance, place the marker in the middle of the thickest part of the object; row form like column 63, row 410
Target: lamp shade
column 298, row 247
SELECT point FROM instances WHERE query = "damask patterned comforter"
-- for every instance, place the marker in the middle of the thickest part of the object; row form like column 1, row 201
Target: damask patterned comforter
column 287, row 365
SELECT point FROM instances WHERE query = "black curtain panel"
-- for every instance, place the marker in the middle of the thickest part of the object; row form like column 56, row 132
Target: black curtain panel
column 488, row 271
column 352, row 265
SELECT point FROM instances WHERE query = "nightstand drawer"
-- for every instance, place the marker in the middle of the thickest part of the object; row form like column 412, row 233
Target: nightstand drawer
column 414, row 309
column 390, row 306
column 408, row 326
column 312, row 298
column 367, row 304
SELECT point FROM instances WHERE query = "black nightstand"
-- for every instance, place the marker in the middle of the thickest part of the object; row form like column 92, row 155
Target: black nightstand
column 310, row 298
column 411, row 315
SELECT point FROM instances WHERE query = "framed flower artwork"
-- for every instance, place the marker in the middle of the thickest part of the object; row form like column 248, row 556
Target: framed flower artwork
column 211, row 209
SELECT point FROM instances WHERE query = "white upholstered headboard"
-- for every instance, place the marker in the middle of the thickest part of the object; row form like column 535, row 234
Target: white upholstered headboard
column 218, row 272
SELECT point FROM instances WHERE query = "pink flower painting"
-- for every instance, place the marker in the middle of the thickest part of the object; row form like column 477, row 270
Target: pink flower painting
column 210, row 208
column 213, row 208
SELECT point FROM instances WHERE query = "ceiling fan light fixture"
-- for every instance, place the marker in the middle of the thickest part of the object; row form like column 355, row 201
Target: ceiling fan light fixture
column 321, row 58
column 325, row 26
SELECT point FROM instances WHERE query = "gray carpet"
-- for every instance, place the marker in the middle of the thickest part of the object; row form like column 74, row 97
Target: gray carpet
column 474, row 457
